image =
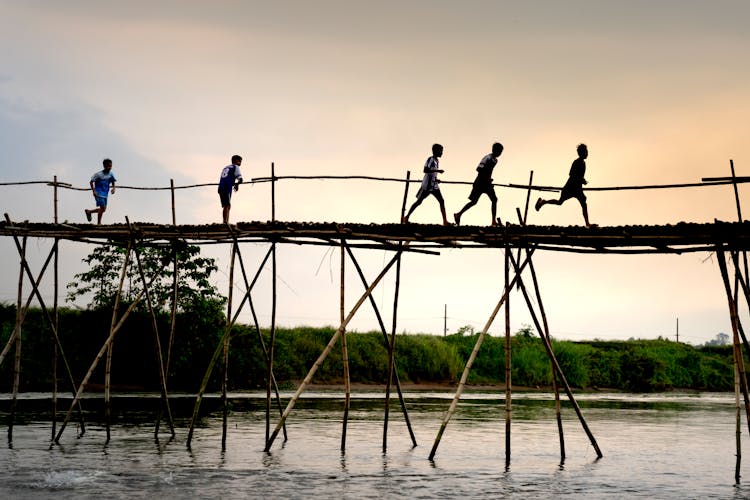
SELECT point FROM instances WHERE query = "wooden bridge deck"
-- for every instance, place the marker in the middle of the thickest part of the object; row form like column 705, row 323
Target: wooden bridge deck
column 671, row 238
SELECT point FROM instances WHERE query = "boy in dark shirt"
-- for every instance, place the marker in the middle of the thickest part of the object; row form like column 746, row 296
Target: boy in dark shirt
column 574, row 186
column 483, row 184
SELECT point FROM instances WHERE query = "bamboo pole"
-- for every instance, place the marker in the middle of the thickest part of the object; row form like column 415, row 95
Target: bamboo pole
column 508, row 367
column 470, row 362
column 225, row 378
column 387, row 344
column 272, row 339
column 734, row 318
column 737, row 423
column 556, row 365
column 107, row 379
column 326, row 351
column 56, row 318
column 344, row 353
column 49, row 319
column 738, row 346
column 174, row 212
column 17, row 360
column 406, row 193
column 157, row 346
column 207, row 375
column 555, row 387
column 99, row 356
column 175, row 286
column 545, row 324
column 248, row 287
column 25, row 309
column 215, row 357
column 391, row 353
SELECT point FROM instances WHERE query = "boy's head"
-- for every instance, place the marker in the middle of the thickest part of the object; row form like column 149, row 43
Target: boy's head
column 437, row 150
column 236, row 160
column 107, row 164
column 583, row 150
column 497, row 149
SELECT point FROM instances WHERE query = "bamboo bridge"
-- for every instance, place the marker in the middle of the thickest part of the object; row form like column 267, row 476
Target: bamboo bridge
column 518, row 240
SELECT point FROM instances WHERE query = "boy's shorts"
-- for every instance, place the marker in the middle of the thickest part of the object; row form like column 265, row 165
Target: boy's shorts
column 101, row 201
column 480, row 187
column 226, row 198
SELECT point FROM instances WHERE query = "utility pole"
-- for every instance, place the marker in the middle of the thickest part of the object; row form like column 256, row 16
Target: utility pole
column 678, row 330
column 445, row 321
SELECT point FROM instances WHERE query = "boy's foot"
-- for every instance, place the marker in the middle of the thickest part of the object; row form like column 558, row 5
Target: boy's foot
column 538, row 204
column 496, row 222
column 457, row 218
column 404, row 220
column 88, row 214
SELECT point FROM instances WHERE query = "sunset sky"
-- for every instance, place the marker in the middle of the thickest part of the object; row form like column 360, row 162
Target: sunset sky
column 171, row 89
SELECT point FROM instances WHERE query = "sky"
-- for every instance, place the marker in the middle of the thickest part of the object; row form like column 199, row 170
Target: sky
column 171, row 89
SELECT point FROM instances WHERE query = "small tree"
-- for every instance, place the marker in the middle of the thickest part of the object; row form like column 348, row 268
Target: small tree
column 194, row 291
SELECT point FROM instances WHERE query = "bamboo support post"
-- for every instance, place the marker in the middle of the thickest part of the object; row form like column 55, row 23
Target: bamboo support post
column 470, row 362
column 108, row 363
column 387, row 344
column 174, row 212
column 25, row 309
column 555, row 364
column 734, row 318
column 391, row 352
column 56, row 318
column 248, row 287
column 38, row 295
column 157, row 346
column 508, row 359
column 271, row 342
column 225, row 377
column 545, row 324
column 215, row 357
column 344, row 353
column 17, row 359
column 326, row 351
column 406, row 194
column 98, row 357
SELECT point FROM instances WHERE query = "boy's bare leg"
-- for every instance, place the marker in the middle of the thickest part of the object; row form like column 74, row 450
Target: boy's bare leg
column 99, row 213
column 442, row 212
column 495, row 222
column 585, row 210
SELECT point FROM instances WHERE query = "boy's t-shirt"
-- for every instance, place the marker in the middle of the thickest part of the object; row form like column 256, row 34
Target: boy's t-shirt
column 102, row 180
column 228, row 175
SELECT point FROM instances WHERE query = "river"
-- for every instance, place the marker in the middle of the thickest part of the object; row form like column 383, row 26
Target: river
column 655, row 446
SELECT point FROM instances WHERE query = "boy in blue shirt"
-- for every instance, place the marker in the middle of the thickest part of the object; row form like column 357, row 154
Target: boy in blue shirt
column 100, row 186
column 231, row 177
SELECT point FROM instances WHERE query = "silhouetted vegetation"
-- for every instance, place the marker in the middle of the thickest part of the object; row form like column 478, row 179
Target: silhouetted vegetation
column 635, row 365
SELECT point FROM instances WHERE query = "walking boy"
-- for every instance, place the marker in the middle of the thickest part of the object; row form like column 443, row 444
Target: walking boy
column 100, row 186
column 231, row 177
column 574, row 186
column 430, row 184
column 483, row 184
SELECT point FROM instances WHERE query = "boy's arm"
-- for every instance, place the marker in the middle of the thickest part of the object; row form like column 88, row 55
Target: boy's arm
column 93, row 191
column 113, row 187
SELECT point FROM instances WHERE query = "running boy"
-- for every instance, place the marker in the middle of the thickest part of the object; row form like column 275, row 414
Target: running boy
column 100, row 187
column 483, row 184
column 430, row 184
column 574, row 186
column 231, row 177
